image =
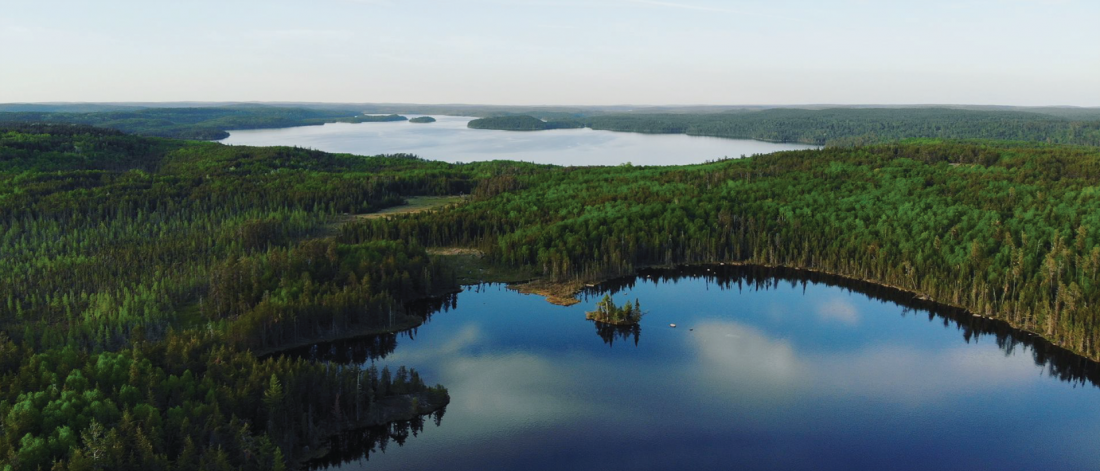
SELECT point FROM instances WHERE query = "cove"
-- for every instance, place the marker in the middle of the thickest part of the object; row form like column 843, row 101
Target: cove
column 767, row 369
column 448, row 139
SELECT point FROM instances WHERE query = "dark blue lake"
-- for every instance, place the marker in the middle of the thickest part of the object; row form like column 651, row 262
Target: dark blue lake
column 765, row 370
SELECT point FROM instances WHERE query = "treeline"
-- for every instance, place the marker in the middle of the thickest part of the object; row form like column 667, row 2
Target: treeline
column 835, row 127
column 196, row 123
column 1056, row 362
column 1008, row 232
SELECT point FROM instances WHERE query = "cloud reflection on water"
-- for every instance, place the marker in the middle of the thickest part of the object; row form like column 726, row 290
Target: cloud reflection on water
column 838, row 310
column 736, row 371
column 821, row 384
column 738, row 358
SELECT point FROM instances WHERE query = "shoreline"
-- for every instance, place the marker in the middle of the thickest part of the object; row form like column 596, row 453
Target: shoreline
column 565, row 293
column 406, row 407
column 590, row 316
column 407, row 322
column 401, row 326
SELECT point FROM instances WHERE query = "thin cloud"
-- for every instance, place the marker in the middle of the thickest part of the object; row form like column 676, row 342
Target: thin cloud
column 301, row 34
column 709, row 9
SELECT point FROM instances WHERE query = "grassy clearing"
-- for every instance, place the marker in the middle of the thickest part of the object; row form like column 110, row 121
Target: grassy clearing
column 416, row 204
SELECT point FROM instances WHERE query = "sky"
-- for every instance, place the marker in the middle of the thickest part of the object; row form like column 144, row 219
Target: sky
column 554, row 52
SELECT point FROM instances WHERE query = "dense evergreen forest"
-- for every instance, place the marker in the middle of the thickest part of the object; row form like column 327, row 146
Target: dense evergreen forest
column 196, row 123
column 140, row 276
column 147, row 285
column 422, row 120
column 835, row 127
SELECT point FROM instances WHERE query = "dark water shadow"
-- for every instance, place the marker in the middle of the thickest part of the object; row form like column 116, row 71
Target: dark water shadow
column 357, row 446
column 358, row 350
column 624, row 333
column 1057, row 362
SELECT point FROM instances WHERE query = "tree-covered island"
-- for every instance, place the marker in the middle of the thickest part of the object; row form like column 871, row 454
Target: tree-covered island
column 520, row 123
column 608, row 312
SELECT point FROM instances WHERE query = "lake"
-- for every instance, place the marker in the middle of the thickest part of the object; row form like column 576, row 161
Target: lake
column 448, row 139
column 766, row 369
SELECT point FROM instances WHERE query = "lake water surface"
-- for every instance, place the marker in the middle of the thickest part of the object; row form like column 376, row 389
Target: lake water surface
column 765, row 370
column 448, row 139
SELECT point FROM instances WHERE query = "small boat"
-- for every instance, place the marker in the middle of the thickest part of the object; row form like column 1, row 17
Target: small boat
column 672, row 325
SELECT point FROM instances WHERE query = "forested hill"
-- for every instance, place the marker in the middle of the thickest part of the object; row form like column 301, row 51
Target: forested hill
column 196, row 123
column 839, row 126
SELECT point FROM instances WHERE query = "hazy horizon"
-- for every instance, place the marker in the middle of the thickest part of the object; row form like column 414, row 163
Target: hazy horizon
column 556, row 53
column 545, row 105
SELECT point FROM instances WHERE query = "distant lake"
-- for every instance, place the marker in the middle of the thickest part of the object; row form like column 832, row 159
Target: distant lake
column 448, row 139
column 766, row 369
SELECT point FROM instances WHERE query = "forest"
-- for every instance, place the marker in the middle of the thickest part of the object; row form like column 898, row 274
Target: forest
column 142, row 276
column 833, row 127
column 209, row 123
column 149, row 286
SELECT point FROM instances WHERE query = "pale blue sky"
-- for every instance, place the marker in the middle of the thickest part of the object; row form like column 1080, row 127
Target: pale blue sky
column 1014, row 52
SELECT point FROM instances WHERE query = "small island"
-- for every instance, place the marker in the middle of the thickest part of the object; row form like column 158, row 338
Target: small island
column 608, row 313
column 375, row 118
column 521, row 123
column 422, row 119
